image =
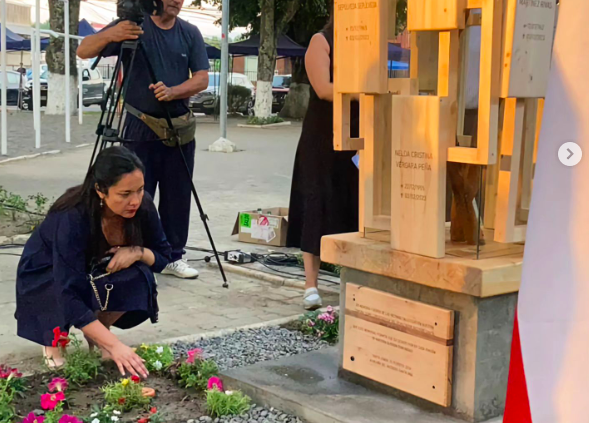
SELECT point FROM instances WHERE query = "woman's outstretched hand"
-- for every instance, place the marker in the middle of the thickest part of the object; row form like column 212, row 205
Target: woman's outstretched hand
column 128, row 361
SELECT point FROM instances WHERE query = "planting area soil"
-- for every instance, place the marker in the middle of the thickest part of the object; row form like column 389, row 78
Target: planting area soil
column 13, row 225
column 175, row 403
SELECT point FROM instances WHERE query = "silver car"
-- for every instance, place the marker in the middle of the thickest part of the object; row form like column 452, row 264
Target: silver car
column 207, row 100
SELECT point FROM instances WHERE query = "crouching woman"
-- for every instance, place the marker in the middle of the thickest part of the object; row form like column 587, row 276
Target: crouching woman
column 91, row 263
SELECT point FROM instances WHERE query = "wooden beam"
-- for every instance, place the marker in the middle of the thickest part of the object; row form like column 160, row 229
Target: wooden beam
column 511, row 146
column 474, row 4
column 438, row 15
column 480, row 278
column 403, row 86
column 527, row 170
column 420, row 138
column 448, row 64
column 342, row 141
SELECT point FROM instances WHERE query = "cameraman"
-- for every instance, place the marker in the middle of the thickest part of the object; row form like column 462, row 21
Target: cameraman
column 177, row 53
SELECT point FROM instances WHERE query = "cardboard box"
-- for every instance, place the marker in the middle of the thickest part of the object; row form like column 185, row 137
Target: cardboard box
column 266, row 228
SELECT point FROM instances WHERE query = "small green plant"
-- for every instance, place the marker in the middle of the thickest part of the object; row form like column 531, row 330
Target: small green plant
column 34, row 207
column 157, row 358
column 196, row 372
column 80, row 365
column 125, row 395
column 11, row 385
column 322, row 325
column 254, row 120
column 228, row 403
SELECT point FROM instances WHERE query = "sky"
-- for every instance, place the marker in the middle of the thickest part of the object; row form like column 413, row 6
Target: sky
column 104, row 11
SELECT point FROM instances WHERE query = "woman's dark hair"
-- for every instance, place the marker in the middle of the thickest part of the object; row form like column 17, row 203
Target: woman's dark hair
column 330, row 23
column 109, row 168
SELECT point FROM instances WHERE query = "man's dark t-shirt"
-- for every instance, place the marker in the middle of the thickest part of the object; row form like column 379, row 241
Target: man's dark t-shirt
column 172, row 54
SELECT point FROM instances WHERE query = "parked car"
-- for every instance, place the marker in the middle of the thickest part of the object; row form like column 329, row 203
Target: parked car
column 13, row 87
column 280, row 88
column 206, row 101
column 93, row 87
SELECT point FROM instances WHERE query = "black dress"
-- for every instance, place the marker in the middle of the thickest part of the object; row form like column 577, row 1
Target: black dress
column 324, row 193
column 52, row 285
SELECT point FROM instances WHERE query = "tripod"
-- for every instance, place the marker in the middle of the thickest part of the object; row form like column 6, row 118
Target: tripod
column 106, row 133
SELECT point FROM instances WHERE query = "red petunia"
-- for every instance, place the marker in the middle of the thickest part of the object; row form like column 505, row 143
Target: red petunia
column 153, row 410
column 60, row 338
column 122, row 401
column 143, row 420
column 135, row 379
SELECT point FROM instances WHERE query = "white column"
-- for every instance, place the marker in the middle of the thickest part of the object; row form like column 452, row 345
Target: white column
column 4, row 147
column 66, row 12
column 80, row 93
column 36, row 75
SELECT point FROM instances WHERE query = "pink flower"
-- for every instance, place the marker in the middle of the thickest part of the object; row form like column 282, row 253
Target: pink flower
column 69, row 419
column 215, row 383
column 193, row 355
column 329, row 309
column 58, row 384
column 328, row 318
column 50, row 401
column 310, row 323
column 32, row 418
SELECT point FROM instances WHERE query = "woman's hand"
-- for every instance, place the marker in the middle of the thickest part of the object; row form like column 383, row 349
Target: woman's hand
column 127, row 361
column 123, row 258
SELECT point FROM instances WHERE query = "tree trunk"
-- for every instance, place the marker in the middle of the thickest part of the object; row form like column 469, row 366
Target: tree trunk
column 55, row 57
column 266, row 59
column 297, row 100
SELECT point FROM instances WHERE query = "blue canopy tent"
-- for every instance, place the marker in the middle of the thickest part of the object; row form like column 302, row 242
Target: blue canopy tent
column 16, row 42
column 213, row 52
column 85, row 29
column 286, row 47
column 398, row 59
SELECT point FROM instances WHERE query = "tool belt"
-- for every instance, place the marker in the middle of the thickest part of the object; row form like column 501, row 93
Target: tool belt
column 184, row 127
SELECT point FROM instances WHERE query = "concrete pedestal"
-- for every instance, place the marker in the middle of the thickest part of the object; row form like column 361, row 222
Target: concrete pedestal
column 482, row 343
column 482, row 294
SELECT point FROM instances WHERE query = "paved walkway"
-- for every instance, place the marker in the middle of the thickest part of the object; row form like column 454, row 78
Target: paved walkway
column 258, row 176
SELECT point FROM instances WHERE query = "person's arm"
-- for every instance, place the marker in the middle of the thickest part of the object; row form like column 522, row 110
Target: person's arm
column 69, row 270
column 196, row 84
column 198, row 63
column 125, row 257
column 92, row 45
column 123, row 356
column 317, row 63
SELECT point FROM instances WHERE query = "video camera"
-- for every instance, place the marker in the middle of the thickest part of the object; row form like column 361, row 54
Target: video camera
column 134, row 10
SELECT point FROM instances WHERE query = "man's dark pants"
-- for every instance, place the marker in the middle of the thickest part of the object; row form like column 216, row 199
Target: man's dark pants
column 164, row 166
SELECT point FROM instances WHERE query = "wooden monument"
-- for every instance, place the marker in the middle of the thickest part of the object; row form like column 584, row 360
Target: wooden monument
column 445, row 193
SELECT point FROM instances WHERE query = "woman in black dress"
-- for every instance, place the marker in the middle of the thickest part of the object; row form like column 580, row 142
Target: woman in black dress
column 324, row 194
column 90, row 264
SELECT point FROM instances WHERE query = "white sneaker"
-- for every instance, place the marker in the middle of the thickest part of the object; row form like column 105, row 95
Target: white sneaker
column 312, row 300
column 180, row 269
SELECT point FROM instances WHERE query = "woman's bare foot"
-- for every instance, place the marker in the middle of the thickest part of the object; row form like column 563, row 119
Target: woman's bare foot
column 53, row 357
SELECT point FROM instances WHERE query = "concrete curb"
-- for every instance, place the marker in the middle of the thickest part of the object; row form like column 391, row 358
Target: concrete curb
column 30, row 156
column 229, row 331
column 271, row 125
column 16, row 239
column 273, row 279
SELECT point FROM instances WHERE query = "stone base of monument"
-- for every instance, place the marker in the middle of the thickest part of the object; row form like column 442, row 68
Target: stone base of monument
column 308, row 386
column 434, row 333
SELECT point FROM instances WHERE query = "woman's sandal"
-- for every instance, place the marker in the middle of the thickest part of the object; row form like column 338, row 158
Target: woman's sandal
column 52, row 362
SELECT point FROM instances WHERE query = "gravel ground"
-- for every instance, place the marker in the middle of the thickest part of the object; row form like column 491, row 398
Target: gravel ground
column 244, row 348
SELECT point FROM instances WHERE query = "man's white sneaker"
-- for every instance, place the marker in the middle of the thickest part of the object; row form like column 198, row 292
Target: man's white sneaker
column 180, row 269
column 312, row 299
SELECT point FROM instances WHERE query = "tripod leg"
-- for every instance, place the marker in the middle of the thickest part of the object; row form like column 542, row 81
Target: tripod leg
column 203, row 216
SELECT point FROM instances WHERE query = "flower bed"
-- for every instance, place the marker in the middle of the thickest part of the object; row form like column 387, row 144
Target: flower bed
column 184, row 383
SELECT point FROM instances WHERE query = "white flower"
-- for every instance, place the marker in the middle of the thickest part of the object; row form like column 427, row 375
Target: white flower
column 93, row 415
column 160, row 350
column 95, row 420
column 228, row 392
column 158, row 365
column 117, row 412
column 114, row 418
